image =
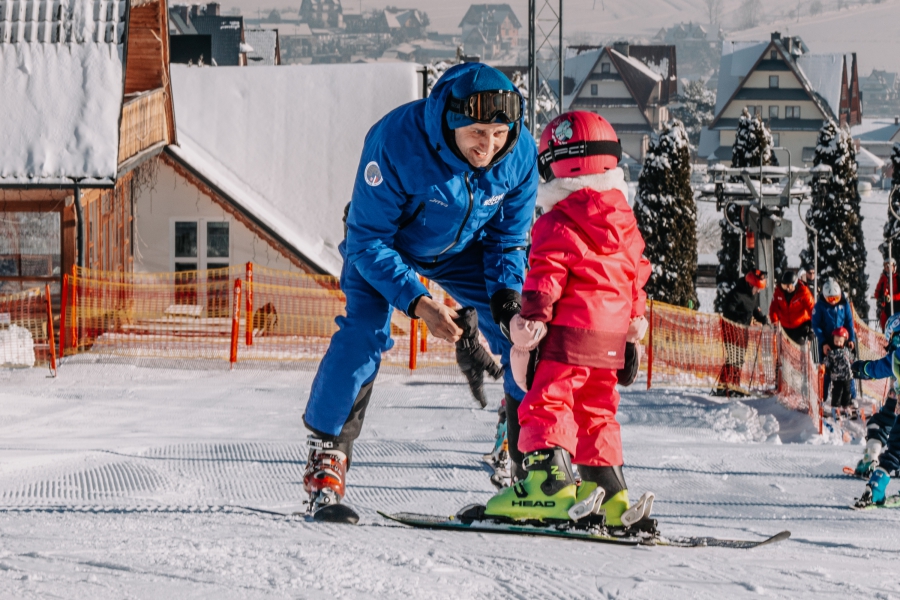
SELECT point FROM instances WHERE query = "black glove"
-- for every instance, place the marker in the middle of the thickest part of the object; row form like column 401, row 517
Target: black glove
column 505, row 304
column 472, row 358
column 859, row 369
column 629, row 372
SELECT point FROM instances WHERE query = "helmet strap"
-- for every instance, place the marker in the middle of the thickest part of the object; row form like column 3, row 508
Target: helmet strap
column 554, row 153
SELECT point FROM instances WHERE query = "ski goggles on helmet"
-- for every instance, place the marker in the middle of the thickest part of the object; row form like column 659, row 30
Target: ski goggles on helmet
column 486, row 107
column 832, row 299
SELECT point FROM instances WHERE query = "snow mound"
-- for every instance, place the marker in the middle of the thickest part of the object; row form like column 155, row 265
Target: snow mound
column 741, row 423
column 16, row 347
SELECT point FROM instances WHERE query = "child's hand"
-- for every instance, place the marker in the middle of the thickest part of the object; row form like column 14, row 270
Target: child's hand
column 526, row 334
column 826, row 348
column 636, row 330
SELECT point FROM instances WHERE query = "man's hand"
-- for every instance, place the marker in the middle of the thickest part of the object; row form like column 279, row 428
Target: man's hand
column 439, row 319
column 851, row 345
column 859, row 369
column 826, row 348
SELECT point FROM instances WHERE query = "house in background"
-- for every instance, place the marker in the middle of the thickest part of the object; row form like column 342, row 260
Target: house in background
column 226, row 34
column 628, row 85
column 792, row 89
column 490, row 30
column 878, row 136
column 881, row 92
column 265, row 164
column 263, row 47
column 86, row 100
column 322, row 13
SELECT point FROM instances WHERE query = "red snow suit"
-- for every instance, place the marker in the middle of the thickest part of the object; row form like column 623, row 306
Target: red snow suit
column 586, row 281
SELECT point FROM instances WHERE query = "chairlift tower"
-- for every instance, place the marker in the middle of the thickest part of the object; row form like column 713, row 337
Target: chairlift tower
column 762, row 193
column 546, row 61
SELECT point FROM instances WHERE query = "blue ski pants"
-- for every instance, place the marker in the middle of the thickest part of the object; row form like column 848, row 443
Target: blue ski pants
column 354, row 354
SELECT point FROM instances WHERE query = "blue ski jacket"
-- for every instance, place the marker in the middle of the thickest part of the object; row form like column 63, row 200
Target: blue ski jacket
column 416, row 201
column 826, row 318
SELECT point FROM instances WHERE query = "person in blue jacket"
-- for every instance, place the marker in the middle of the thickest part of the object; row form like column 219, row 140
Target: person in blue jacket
column 832, row 311
column 445, row 189
column 882, row 429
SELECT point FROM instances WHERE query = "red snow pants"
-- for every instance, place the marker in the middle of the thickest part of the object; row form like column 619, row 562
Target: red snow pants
column 572, row 407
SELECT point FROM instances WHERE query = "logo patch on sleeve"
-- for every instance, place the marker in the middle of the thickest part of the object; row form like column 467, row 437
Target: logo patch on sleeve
column 373, row 174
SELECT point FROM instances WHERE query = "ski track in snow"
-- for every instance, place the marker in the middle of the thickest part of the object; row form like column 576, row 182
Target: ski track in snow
column 125, row 481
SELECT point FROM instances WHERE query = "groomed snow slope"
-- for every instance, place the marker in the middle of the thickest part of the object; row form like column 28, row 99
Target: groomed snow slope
column 124, row 481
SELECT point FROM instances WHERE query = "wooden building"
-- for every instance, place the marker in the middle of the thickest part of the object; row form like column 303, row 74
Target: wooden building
column 87, row 99
column 792, row 89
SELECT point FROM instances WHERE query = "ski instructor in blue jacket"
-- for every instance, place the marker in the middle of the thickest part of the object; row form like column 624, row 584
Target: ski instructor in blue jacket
column 445, row 189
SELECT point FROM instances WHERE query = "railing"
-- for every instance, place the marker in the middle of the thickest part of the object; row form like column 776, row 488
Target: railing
column 143, row 123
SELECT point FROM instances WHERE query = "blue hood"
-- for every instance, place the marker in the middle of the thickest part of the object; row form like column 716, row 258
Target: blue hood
column 441, row 136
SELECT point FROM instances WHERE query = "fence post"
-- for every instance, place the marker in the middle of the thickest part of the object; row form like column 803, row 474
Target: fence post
column 63, row 306
column 821, row 377
column 249, row 294
column 423, row 338
column 52, row 342
column 74, row 335
column 235, row 321
column 650, row 349
column 413, row 346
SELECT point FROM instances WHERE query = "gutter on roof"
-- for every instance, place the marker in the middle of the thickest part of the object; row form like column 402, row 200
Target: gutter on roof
column 140, row 158
column 247, row 214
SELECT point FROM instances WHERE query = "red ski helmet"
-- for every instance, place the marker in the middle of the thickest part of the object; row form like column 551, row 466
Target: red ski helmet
column 841, row 332
column 578, row 143
column 756, row 278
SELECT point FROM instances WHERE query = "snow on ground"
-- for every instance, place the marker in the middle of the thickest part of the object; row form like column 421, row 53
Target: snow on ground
column 124, row 480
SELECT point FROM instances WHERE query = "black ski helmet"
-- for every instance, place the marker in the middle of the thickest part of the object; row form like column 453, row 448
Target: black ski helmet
column 788, row 278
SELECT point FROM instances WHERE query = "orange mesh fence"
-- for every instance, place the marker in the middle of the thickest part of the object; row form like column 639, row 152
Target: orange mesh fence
column 704, row 350
column 291, row 316
column 870, row 345
column 26, row 329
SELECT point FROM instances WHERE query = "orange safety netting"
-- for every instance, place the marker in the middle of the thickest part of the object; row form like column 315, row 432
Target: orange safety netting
column 291, row 316
column 871, row 346
column 26, row 329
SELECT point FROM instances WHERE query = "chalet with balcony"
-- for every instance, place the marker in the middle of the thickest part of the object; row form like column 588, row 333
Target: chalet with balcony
column 628, row 85
column 86, row 100
column 793, row 89
column 490, row 30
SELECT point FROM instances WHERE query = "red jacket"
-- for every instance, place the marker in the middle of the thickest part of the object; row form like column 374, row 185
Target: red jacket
column 587, row 270
column 883, row 290
column 793, row 312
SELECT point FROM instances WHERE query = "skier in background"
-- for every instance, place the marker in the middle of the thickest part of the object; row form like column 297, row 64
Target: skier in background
column 838, row 361
column 886, row 305
column 832, row 310
column 740, row 307
column 583, row 303
column 882, row 428
column 791, row 307
column 445, row 189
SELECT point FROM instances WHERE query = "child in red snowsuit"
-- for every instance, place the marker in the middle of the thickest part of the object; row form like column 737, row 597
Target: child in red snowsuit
column 583, row 299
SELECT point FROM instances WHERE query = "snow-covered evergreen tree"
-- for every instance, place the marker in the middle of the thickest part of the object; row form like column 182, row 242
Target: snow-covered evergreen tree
column 695, row 109
column 752, row 144
column 667, row 217
column 835, row 213
column 892, row 226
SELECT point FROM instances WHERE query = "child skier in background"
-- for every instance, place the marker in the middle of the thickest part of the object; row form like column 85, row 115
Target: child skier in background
column 838, row 362
column 887, row 462
column 582, row 302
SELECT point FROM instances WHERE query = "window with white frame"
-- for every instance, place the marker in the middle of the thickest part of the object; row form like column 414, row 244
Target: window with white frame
column 593, row 89
column 773, row 112
column 791, row 112
column 200, row 244
column 773, row 81
column 604, row 67
column 776, row 139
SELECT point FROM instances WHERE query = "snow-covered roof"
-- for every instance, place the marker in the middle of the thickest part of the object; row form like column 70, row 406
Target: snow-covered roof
column 736, row 61
column 578, row 67
column 866, row 159
column 289, row 29
column 824, row 73
column 283, row 142
column 876, row 130
column 61, row 80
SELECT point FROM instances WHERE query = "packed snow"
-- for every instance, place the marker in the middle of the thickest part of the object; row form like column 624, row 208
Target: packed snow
column 130, row 479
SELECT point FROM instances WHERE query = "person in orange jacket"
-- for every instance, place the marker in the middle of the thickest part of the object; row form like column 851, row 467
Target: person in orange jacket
column 583, row 302
column 883, row 293
column 791, row 307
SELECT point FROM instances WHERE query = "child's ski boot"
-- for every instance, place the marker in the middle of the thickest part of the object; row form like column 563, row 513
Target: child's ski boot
column 618, row 515
column 869, row 461
column 546, row 494
column 498, row 458
column 323, row 480
column 876, row 489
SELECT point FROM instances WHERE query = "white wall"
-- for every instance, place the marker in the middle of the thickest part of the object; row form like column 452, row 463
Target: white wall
column 172, row 197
